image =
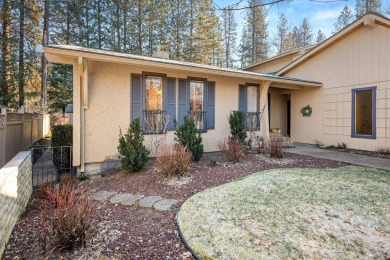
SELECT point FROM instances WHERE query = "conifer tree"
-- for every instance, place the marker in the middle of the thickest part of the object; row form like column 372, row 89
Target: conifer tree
column 280, row 41
column 230, row 36
column 320, row 37
column 344, row 19
column 364, row 6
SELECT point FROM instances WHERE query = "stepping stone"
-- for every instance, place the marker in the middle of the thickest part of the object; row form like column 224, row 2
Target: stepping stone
column 148, row 202
column 119, row 197
column 130, row 199
column 165, row 204
column 102, row 195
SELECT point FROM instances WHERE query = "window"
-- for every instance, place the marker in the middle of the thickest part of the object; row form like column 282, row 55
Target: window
column 249, row 103
column 364, row 113
column 252, row 99
column 197, row 110
column 154, row 119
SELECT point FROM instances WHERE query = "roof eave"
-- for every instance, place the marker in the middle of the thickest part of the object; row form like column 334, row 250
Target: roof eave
column 70, row 54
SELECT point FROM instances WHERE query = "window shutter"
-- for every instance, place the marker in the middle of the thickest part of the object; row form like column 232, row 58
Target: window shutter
column 136, row 97
column 183, row 100
column 170, row 104
column 258, row 108
column 210, row 114
column 242, row 99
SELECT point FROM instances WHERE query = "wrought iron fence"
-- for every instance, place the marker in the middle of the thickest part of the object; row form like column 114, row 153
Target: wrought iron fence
column 48, row 163
column 199, row 118
column 253, row 121
column 155, row 121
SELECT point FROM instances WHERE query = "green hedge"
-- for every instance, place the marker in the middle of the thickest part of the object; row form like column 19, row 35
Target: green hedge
column 62, row 135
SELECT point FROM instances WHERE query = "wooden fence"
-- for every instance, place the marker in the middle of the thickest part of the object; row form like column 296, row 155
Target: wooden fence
column 18, row 131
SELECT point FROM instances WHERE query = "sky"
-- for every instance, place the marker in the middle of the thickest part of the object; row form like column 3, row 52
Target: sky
column 321, row 15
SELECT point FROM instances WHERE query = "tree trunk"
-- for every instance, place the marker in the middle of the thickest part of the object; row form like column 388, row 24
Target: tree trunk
column 45, row 41
column 125, row 25
column 99, row 24
column 5, row 52
column 87, row 21
column 21, row 53
column 191, row 31
column 67, row 36
column 118, row 28
column 139, row 28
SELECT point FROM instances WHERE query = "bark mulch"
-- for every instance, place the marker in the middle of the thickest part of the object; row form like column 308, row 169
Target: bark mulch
column 139, row 233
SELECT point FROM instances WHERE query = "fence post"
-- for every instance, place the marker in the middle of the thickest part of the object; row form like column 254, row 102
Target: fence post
column 3, row 134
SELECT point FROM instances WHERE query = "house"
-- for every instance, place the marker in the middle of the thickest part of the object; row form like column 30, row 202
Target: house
column 110, row 89
column 353, row 105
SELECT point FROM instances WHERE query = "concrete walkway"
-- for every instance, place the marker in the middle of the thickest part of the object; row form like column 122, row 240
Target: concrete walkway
column 358, row 159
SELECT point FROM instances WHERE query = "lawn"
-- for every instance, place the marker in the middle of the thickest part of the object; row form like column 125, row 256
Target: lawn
column 338, row 213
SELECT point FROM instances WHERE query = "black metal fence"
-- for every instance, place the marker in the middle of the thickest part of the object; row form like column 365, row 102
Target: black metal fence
column 199, row 118
column 253, row 121
column 48, row 163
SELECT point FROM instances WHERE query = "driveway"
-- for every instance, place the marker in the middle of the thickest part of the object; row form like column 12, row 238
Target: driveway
column 357, row 159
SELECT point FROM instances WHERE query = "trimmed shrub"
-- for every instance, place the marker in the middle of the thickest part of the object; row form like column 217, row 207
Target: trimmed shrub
column 68, row 215
column 237, row 122
column 233, row 149
column 275, row 146
column 134, row 154
column 187, row 135
column 173, row 160
column 62, row 135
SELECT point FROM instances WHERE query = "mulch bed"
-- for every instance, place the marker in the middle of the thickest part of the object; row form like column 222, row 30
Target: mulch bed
column 131, row 232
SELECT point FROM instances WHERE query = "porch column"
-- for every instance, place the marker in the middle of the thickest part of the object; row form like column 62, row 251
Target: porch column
column 264, row 126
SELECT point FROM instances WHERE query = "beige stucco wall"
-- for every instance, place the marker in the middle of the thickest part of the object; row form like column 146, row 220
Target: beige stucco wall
column 278, row 105
column 361, row 59
column 273, row 65
column 109, row 108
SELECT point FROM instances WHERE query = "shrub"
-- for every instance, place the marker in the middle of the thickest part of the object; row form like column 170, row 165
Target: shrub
column 232, row 148
column 173, row 160
column 384, row 151
column 275, row 146
column 342, row 145
column 318, row 143
column 134, row 154
column 213, row 162
column 187, row 135
column 68, row 215
column 237, row 122
column 62, row 135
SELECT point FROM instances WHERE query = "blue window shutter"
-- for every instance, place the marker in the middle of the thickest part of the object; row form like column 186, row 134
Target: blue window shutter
column 242, row 99
column 258, row 108
column 136, row 97
column 210, row 114
column 183, row 100
column 170, row 104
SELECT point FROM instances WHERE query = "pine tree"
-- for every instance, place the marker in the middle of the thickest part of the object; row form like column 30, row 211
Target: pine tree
column 5, row 70
column 345, row 18
column 305, row 33
column 280, row 40
column 256, row 34
column 178, row 24
column 320, row 37
column 230, row 35
column 364, row 6
column 296, row 37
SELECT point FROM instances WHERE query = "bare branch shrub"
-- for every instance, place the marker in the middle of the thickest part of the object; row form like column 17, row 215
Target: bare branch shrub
column 342, row 145
column 384, row 151
column 232, row 149
column 173, row 160
column 68, row 215
column 275, row 146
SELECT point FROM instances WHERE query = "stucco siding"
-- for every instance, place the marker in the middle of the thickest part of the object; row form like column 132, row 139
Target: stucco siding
column 109, row 107
column 359, row 60
column 273, row 65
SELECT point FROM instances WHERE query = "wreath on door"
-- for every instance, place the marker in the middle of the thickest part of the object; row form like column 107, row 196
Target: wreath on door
column 306, row 111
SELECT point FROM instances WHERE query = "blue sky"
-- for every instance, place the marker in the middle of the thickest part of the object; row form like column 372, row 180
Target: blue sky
column 321, row 15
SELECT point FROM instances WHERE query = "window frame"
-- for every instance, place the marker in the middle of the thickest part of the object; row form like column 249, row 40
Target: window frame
column 353, row 114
